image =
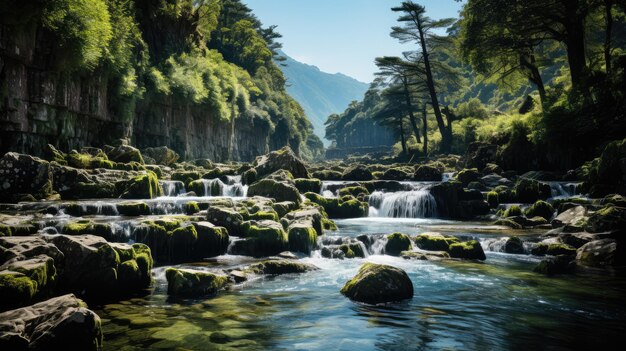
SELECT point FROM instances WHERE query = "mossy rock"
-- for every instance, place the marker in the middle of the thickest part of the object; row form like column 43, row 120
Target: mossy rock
column 512, row 211
column 78, row 228
column 145, row 186
column 191, row 207
column 186, row 176
column 327, row 175
column 355, row 191
column 376, row 283
column 193, row 283
column 434, row 242
column 428, row 173
column 212, row 240
column 607, row 219
column 554, row 249
column 493, row 199
column 395, row 174
column 514, row 245
column 345, row 207
column 133, row 208
column 278, row 267
column 5, row 230
column 182, row 244
column 145, row 262
column 155, row 237
column 265, row 238
column 556, row 265
column 302, row 238
column 467, row 176
column 357, row 173
column 353, row 250
column 227, row 218
column 281, row 191
column 264, row 215
column 540, row 209
column 529, row 191
column 396, row 243
column 305, row 185
column 16, row 290
column 470, row 250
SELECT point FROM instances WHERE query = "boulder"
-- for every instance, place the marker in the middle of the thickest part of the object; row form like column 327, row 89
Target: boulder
column 574, row 217
column 529, row 191
column 212, row 240
column 23, row 174
column 162, row 155
column 470, row 250
column 302, row 236
column 395, row 174
column 358, row 173
column 281, row 191
column 610, row 218
column 396, row 243
column 133, row 208
column 427, row 173
column 145, row 186
column 277, row 267
column 60, row 323
column 264, row 238
column 598, row 253
column 227, row 218
column 344, row 207
column 194, row 283
column 21, row 281
column 467, row 176
column 376, row 283
column 553, row 249
column 556, row 265
column 327, row 174
column 480, row 154
column 514, row 245
column 305, row 185
column 494, row 180
column 541, row 209
column 285, row 159
column 125, row 154
column 434, row 242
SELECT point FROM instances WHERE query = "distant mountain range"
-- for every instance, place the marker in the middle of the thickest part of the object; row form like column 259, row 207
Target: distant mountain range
column 320, row 94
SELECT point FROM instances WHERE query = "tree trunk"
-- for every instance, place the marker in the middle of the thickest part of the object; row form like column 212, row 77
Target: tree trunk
column 446, row 140
column 402, row 139
column 575, row 42
column 534, row 76
column 425, row 130
column 608, row 5
column 407, row 97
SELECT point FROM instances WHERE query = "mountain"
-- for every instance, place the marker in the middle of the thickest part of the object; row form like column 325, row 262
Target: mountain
column 320, row 94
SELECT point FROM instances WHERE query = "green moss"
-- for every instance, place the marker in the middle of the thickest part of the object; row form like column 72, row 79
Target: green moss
column 512, row 211
column 133, row 208
column 492, row 198
column 396, row 243
column 434, row 242
column 329, row 224
column 77, row 160
column 192, row 207
column 99, row 162
column 182, row 243
column 261, row 215
column 540, row 209
column 78, row 228
column 467, row 176
column 467, row 250
column 345, row 207
column 265, row 240
column 5, row 230
column 191, row 283
column 16, row 290
column 186, row 176
column 276, row 267
column 305, row 185
column 125, row 252
column 354, row 191
column 542, row 249
column 302, row 239
column 145, row 186
column 327, row 175
column 376, row 283
column 352, row 250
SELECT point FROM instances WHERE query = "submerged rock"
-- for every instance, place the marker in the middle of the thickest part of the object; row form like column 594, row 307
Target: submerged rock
column 560, row 264
column 276, row 267
column 60, row 323
column 194, row 283
column 377, row 283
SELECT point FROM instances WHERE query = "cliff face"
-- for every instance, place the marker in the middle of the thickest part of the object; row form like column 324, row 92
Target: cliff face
column 40, row 106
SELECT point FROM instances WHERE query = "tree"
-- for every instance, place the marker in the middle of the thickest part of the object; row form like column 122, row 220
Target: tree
column 420, row 29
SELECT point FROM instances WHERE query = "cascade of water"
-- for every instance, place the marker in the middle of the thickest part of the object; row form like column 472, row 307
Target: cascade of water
column 233, row 188
column 562, row 189
column 447, row 176
column 106, row 209
column 173, row 188
column 378, row 246
column 403, row 204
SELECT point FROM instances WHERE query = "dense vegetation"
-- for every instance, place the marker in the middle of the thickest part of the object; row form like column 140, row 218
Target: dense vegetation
column 545, row 81
column 210, row 53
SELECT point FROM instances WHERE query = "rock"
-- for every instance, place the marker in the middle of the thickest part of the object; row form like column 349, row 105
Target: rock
column 193, row 283
column 125, row 154
column 310, row 216
column 344, row 207
column 186, row 177
column 24, row 174
column 427, row 173
column 327, row 175
column 493, row 199
column 541, row 209
column 574, row 217
column 396, row 243
column 212, row 240
column 23, row 280
column 302, row 237
column 356, row 191
column 480, row 154
column 607, row 219
column 280, row 191
column 529, row 191
column 512, row 211
column 145, row 186
column 614, row 199
column 280, row 159
column 467, row 176
column 395, row 174
column 358, row 172
column 133, row 208
column 494, row 180
column 376, row 283
column 577, row 240
column 470, row 250
column 434, row 242
column 425, row 255
column 605, row 252
column 305, row 185
column 162, row 155
column 556, row 265
column 491, row 168
column 276, row 267
column 552, row 249
column 60, row 323
column 182, row 244
column 456, row 203
column 507, row 222
column 264, row 238
column 156, row 237
column 227, row 218
column 514, row 245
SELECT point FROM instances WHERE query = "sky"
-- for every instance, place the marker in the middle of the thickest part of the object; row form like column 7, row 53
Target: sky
column 342, row 36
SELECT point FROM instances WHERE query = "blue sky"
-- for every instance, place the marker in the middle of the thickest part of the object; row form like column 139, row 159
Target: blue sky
column 341, row 35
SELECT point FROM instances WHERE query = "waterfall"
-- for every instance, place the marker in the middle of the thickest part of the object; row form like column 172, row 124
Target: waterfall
column 106, row 209
column 447, row 176
column 173, row 188
column 563, row 189
column 403, row 204
column 232, row 188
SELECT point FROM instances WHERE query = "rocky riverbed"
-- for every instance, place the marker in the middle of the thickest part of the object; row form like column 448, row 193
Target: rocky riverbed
column 120, row 248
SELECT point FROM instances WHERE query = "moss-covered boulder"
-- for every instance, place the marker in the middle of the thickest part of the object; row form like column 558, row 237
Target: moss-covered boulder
column 23, row 174
column 186, row 177
column 561, row 264
column 285, row 159
column 277, row 267
column 396, row 243
column 145, row 186
column 191, row 207
column 182, row 244
column 162, row 155
column 514, row 245
column 302, row 237
column 356, row 191
column 327, row 174
column 193, row 283
column 305, row 185
column 281, row 191
column 434, row 242
column 133, row 208
column 427, row 173
column 125, row 154
column 512, row 211
column 60, row 323
column 377, row 283
column 493, row 199
column 540, row 209
column 553, row 249
column 212, row 240
column 155, row 236
column 467, row 176
column 227, row 218
column 395, row 174
column 573, row 219
column 358, row 173
column 21, row 281
column 470, row 250
column 344, row 207
column 264, row 238
column 607, row 219
column 529, row 191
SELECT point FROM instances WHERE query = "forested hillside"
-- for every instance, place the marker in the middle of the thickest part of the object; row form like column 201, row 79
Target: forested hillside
column 541, row 82
column 320, row 93
column 197, row 76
